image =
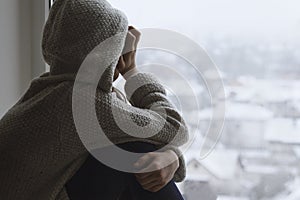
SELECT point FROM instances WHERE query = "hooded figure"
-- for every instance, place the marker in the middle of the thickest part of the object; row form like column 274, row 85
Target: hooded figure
column 40, row 149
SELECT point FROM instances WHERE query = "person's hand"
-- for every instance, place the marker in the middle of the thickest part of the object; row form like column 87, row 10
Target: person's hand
column 127, row 60
column 161, row 171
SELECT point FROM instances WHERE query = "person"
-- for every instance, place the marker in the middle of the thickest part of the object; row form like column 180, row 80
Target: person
column 43, row 156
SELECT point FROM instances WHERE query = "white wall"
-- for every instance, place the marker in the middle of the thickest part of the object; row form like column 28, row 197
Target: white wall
column 21, row 24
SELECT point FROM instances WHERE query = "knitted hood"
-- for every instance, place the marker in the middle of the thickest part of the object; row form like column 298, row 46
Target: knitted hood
column 74, row 28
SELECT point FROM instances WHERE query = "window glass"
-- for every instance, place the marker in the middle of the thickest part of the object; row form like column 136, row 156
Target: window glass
column 256, row 46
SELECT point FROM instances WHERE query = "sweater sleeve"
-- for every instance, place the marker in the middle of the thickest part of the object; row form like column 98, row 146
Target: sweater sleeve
column 149, row 88
column 148, row 96
column 151, row 117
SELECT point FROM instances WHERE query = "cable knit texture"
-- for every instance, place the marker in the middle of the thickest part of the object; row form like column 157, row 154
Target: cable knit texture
column 40, row 149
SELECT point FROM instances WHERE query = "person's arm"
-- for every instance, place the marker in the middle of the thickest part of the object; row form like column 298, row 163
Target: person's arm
column 151, row 117
column 145, row 97
column 163, row 167
column 161, row 174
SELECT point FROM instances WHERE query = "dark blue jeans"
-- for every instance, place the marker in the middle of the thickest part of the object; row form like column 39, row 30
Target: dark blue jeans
column 96, row 181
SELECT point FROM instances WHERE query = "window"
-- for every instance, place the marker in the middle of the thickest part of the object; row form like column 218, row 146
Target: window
column 256, row 45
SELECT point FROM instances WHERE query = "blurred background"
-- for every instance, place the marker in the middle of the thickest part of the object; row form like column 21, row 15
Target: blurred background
column 256, row 46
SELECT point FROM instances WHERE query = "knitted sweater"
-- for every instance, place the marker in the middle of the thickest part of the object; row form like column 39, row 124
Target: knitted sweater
column 40, row 149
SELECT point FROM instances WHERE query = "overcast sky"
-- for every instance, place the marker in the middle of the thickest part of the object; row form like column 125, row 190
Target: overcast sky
column 260, row 19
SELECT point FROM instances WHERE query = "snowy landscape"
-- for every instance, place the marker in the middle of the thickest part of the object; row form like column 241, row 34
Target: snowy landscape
column 258, row 154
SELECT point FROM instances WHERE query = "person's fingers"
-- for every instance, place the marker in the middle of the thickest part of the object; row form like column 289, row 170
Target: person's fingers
column 129, row 48
column 156, row 188
column 148, row 180
column 134, row 31
column 152, row 175
column 152, row 167
column 129, row 43
column 144, row 175
column 144, row 160
column 137, row 35
column 131, row 39
column 149, row 186
column 160, row 182
column 121, row 63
